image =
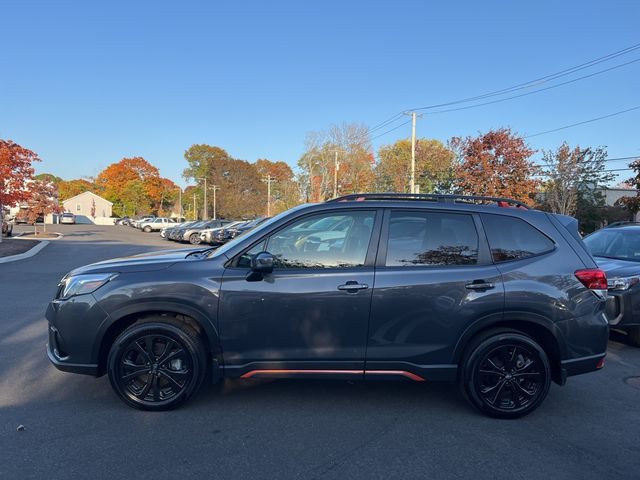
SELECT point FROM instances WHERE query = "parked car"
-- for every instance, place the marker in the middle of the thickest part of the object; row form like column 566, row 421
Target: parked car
column 418, row 287
column 22, row 217
column 226, row 234
column 156, row 224
column 617, row 251
column 7, row 226
column 122, row 221
column 175, row 234
column 166, row 231
column 135, row 223
column 209, row 235
column 191, row 233
column 68, row 217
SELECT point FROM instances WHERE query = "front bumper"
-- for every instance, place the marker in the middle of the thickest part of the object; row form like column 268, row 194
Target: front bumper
column 623, row 308
column 61, row 364
column 74, row 327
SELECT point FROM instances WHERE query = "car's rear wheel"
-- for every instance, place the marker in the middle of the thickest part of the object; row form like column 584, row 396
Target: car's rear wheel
column 505, row 374
column 634, row 336
column 194, row 239
column 157, row 364
column 147, row 229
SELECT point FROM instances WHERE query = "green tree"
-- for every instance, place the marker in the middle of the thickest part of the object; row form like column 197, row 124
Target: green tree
column 285, row 191
column 241, row 192
column 434, row 166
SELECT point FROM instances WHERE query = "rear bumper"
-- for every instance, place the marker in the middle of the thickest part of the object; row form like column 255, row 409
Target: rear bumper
column 578, row 366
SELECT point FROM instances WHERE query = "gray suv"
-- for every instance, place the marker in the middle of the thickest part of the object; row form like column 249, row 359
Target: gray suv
column 476, row 290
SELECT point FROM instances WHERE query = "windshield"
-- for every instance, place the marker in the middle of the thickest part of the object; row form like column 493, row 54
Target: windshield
column 622, row 244
column 256, row 231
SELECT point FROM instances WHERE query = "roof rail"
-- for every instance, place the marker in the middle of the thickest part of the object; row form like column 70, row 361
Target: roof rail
column 432, row 197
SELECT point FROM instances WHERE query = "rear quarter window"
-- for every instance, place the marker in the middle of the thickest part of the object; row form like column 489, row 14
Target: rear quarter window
column 511, row 238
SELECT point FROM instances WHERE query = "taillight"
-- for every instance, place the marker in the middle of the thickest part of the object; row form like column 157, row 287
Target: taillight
column 592, row 278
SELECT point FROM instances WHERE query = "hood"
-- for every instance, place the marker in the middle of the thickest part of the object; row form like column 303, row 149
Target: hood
column 144, row 262
column 614, row 267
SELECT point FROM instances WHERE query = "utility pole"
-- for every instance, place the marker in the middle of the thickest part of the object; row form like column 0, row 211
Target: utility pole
column 206, row 216
column 335, row 176
column 412, row 179
column 195, row 210
column 268, row 179
column 215, row 188
column 180, row 200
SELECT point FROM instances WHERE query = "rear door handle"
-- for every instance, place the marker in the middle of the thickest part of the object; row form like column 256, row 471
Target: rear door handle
column 480, row 285
column 353, row 286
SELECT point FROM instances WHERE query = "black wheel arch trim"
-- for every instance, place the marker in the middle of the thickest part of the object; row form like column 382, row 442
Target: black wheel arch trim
column 503, row 319
column 151, row 307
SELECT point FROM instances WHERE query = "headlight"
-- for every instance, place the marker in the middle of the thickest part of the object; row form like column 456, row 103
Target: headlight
column 81, row 284
column 622, row 283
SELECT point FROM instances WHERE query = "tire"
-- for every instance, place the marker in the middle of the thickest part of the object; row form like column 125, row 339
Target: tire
column 145, row 381
column 194, row 239
column 512, row 365
column 633, row 334
column 146, row 229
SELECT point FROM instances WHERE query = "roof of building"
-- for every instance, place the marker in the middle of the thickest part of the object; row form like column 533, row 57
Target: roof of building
column 90, row 193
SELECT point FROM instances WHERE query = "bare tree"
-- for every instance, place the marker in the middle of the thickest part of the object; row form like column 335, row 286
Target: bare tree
column 573, row 177
column 339, row 159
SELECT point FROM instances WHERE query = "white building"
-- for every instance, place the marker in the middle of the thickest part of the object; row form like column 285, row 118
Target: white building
column 89, row 208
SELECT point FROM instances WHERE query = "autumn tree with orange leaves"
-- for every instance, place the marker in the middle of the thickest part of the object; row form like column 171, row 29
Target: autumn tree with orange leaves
column 495, row 164
column 285, row 192
column 43, row 200
column 135, row 186
column 71, row 188
column 16, row 171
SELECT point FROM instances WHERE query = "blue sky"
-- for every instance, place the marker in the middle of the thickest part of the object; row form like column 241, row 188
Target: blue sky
column 86, row 83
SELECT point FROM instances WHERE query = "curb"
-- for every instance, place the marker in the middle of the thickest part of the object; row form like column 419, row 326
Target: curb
column 27, row 254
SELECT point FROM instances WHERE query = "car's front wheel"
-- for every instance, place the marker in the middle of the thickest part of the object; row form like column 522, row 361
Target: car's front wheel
column 505, row 374
column 157, row 364
column 194, row 239
column 147, row 229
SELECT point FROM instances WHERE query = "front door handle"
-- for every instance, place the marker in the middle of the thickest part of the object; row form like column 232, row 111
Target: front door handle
column 353, row 286
column 480, row 285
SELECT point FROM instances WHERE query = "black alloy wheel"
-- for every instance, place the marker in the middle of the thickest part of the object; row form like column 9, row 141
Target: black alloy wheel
column 506, row 375
column 157, row 365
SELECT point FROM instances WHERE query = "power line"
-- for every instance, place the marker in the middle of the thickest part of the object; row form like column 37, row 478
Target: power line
column 615, row 159
column 546, row 78
column 516, row 87
column 584, row 122
column 389, row 131
column 535, row 91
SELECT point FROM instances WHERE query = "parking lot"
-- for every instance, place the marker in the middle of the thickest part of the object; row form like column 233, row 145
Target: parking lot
column 587, row 429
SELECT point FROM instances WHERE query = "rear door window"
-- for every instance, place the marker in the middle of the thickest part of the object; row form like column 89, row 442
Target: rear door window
column 511, row 238
column 431, row 239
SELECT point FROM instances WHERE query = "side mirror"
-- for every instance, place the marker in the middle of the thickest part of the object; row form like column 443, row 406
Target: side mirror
column 262, row 263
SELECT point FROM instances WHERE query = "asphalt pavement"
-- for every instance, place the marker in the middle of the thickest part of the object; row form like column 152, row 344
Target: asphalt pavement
column 75, row 427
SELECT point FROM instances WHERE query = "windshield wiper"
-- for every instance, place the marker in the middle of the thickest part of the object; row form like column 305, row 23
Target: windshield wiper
column 200, row 252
